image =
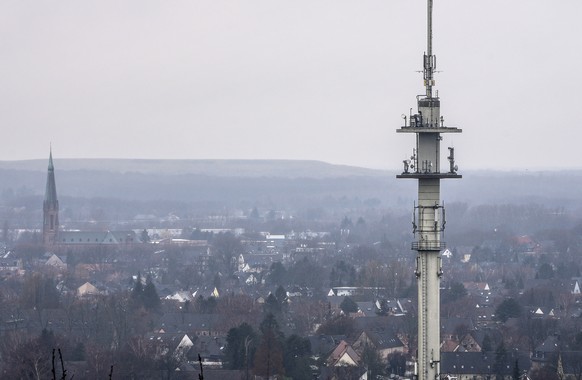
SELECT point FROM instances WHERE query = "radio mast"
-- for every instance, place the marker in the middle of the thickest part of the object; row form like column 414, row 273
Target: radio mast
column 428, row 218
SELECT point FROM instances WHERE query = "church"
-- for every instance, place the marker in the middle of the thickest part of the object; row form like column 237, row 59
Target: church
column 53, row 237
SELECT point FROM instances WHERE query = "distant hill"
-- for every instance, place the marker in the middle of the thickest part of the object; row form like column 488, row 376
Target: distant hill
column 218, row 168
column 202, row 184
column 281, row 183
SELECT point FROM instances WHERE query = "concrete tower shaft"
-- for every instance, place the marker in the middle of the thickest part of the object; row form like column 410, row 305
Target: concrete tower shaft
column 428, row 271
column 428, row 219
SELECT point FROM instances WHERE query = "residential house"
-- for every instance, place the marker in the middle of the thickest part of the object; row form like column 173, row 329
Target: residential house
column 466, row 343
column 384, row 343
column 545, row 350
column 87, row 290
column 344, row 373
column 481, row 366
column 343, row 355
column 56, row 262
column 192, row 324
column 322, row 345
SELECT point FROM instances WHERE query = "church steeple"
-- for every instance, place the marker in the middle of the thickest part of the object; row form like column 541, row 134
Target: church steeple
column 50, row 226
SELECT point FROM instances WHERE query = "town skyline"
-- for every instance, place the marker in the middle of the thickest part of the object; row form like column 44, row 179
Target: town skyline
column 331, row 272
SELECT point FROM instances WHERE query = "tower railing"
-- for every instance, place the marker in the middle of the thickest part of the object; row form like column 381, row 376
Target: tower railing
column 428, row 245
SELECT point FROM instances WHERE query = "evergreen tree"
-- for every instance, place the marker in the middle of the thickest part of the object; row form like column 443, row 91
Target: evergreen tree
column 509, row 308
column 545, row 272
column 397, row 363
column 205, row 306
column 342, row 274
column 455, row 292
column 520, row 283
column 145, row 296
column 373, row 362
column 272, row 305
column 270, row 323
column 151, row 299
column 47, row 339
column 297, row 358
column 145, row 237
column 39, row 292
column 516, row 373
column 137, row 291
column 210, row 305
column 281, row 295
column 486, row 345
column 341, row 325
column 346, row 223
column 227, row 248
column 500, row 360
column 240, row 346
column 349, row 306
column 278, row 273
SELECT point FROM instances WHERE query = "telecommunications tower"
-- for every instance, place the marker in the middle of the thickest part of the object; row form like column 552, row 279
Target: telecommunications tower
column 428, row 218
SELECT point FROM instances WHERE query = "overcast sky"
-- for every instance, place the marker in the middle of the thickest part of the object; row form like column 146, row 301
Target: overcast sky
column 301, row 79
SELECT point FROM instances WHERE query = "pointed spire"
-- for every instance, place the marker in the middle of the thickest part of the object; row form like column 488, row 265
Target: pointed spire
column 50, row 205
column 50, row 166
column 50, row 194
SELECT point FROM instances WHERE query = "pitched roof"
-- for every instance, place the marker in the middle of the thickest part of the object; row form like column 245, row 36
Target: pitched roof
column 97, row 237
column 384, row 339
column 343, row 354
column 550, row 344
column 55, row 261
column 367, row 308
column 475, row 363
column 87, row 289
column 324, row 344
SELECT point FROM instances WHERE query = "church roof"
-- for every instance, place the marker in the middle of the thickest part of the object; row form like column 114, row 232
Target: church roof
column 97, row 237
column 50, row 194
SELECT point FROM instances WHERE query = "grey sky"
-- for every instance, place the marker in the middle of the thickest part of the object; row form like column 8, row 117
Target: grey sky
column 323, row 80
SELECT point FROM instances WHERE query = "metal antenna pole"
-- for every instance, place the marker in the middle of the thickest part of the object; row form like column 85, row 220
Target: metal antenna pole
column 429, row 58
column 429, row 28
